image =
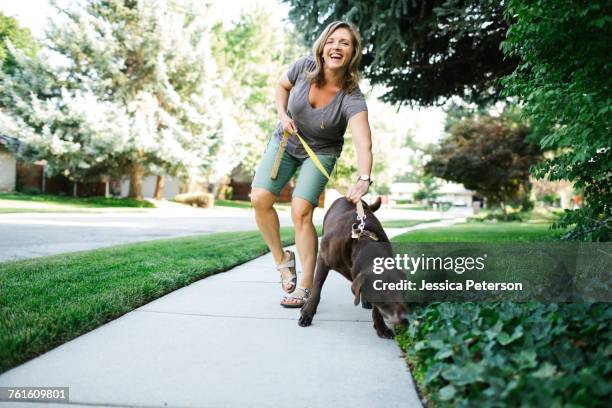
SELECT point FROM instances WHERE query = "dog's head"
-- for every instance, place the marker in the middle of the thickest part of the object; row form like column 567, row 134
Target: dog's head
column 391, row 304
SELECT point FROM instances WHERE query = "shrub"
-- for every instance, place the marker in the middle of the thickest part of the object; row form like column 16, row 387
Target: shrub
column 204, row 200
column 511, row 354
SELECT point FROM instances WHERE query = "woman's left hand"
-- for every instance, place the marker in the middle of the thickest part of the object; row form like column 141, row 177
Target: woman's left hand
column 357, row 190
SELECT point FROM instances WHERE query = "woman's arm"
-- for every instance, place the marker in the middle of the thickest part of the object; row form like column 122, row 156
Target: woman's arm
column 282, row 98
column 362, row 139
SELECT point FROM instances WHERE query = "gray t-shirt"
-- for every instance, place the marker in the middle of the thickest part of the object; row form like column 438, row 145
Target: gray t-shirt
column 335, row 115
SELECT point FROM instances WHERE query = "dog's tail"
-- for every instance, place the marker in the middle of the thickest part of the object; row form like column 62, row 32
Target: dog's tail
column 376, row 204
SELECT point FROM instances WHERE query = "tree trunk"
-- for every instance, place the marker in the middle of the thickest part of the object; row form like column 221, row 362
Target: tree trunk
column 504, row 209
column 136, row 174
column 74, row 188
column 159, row 188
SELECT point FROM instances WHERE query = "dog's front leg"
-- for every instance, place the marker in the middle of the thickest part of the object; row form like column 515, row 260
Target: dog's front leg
column 380, row 326
column 310, row 307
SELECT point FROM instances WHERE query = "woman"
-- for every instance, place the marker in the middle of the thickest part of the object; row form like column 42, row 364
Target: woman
column 317, row 97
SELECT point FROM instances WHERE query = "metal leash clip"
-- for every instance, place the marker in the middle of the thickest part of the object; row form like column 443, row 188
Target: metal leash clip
column 357, row 230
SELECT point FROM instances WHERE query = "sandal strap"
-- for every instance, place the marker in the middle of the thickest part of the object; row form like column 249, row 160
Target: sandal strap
column 292, row 279
column 305, row 296
column 289, row 264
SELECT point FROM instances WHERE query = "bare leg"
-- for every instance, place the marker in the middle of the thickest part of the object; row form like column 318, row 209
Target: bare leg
column 267, row 221
column 305, row 238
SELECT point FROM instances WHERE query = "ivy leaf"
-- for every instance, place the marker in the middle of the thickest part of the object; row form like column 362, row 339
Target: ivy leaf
column 546, row 370
column 504, row 338
column 447, row 393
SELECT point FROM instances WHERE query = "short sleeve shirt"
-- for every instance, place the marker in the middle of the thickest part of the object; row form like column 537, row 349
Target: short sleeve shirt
column 322, row 128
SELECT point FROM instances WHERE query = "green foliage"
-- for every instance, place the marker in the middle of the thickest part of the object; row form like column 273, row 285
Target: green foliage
column 20, row 38
column 252, row 54
column 422, row 51
column 491, row 155
column 428, row 190
column 511, row 354
column 564, row 80
column 92, row 202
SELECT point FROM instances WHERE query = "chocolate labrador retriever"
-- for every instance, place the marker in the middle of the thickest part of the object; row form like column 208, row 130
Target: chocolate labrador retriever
column 353, row 259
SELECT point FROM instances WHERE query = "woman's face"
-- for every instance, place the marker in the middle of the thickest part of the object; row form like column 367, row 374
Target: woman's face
column 338, row 49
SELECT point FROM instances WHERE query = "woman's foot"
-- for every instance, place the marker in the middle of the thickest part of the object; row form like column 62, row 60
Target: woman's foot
column 287, row 272
column 297, row 298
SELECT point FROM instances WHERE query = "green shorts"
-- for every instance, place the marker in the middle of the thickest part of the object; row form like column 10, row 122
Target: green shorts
column 310, row 182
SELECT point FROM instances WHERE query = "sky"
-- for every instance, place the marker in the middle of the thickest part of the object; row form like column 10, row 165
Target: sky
column 427, row 123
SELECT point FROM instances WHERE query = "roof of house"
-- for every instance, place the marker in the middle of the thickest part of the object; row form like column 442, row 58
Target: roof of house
column 10, row 143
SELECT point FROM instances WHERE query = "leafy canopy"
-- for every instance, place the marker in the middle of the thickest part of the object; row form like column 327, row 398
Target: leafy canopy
column 424, row 51
column 564, row 80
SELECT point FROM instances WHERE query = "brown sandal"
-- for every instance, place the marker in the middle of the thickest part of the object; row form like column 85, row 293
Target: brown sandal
column 290, row 264
column 300, row 294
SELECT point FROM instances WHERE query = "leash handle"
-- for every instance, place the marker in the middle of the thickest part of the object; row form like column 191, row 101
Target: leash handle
column 279, row 156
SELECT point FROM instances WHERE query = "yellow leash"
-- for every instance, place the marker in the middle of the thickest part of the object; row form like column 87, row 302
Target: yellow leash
column 279, row 155
column 281, row 150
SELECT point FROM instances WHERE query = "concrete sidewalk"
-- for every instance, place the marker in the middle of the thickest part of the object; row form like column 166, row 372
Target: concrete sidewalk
column 223, row 342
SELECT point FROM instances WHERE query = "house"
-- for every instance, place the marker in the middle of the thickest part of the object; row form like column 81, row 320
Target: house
column 8, row 162
column 453, row 193
column 456, row 194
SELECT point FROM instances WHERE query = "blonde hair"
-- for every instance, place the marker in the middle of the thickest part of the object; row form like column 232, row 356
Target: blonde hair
column 351, row 79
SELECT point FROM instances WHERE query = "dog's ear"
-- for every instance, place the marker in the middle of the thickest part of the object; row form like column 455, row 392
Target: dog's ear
column 356, row 286
column 376, row 204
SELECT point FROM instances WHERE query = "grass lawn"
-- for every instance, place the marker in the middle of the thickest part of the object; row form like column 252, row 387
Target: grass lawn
column 507, row 353
column 483, row 232
column 10, row 210
column 45, row 302
column 246, row 204
column 405, row 223
column 17, row 202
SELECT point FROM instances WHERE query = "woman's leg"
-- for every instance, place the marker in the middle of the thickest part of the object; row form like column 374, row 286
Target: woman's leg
column 305, row 238
column 310, row 183
column 267, row 221
column 263, row 194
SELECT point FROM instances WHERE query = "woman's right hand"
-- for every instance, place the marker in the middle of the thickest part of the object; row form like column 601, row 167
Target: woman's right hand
column 288, row 124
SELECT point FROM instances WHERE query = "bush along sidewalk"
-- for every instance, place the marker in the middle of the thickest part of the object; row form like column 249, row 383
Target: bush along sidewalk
column 45, row 302
column 510, row 354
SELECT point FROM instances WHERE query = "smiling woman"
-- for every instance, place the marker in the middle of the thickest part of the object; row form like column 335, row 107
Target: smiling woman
column 317, row 98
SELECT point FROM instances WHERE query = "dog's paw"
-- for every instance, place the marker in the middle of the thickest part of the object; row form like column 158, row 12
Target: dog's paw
column 384, row 332
column 305, row 320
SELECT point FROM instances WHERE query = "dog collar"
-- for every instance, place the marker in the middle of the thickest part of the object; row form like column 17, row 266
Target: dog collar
column 357, row 233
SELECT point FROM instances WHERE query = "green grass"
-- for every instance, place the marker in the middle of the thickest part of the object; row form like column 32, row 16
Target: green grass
column 507, row 353
column 415, row 207
column 246, row 204
column 483, row 232
column 91, row 202
column 68, row 209
column 45, row 302
column 233, row 203
column 405, row 223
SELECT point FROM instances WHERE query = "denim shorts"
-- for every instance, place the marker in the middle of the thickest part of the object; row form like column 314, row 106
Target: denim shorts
column 310, row 181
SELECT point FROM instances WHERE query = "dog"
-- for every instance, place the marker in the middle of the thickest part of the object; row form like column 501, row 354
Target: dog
column 353, row 259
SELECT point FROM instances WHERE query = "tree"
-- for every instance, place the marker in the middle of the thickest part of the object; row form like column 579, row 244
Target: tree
column 137, row 91
column 18, row 37
column 564, row 81
column 252, row 54
column 428, row 191
column 423, row 51
column 491, row 155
